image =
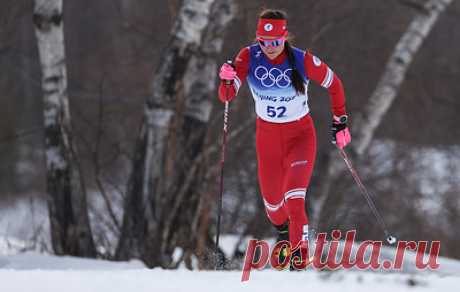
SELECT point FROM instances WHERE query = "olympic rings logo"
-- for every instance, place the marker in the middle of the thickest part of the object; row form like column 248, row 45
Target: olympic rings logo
column 268, row 78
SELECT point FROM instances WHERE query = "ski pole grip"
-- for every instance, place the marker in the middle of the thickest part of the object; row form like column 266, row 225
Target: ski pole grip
column 229, row 82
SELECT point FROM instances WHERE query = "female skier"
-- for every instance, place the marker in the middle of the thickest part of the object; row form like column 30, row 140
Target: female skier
column 278, row 75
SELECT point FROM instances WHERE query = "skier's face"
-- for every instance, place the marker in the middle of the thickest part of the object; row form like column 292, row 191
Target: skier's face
column 271, row 46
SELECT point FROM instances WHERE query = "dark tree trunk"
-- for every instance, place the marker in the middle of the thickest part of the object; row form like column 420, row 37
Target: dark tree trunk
column 172, row 136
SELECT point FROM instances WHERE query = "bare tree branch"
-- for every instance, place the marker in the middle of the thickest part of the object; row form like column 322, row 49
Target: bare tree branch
column 366, row 123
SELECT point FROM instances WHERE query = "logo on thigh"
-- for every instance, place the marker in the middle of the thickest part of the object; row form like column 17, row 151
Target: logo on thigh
column 298, row 163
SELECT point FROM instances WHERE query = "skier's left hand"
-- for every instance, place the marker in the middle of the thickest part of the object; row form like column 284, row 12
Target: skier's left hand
column 340, row 133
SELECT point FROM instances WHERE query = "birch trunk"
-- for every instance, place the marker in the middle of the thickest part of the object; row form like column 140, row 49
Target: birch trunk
column 191, row 185
column 366, row 123
column 175, row 118
column 70, row 229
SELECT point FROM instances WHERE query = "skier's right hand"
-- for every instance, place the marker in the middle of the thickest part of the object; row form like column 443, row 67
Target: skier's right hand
column 227, row 73
column 227, row 76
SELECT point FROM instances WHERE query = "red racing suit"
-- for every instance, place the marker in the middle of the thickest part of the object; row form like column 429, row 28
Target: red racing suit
column 285, row 135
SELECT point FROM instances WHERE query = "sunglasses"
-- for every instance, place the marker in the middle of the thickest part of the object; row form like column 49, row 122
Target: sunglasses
column 271, row 43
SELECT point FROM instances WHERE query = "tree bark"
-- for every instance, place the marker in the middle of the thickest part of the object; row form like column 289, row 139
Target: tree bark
column 366, row 123
column 172, row 134
column 192, row 185
column 70, row 228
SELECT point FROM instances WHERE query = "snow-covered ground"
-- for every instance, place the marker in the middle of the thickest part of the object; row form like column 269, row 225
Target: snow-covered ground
column 38, row 272
column 35, row 272
column 25, row 222
column 29, row 272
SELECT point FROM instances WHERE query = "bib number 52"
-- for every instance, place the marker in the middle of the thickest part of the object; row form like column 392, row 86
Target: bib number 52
column 278, row 112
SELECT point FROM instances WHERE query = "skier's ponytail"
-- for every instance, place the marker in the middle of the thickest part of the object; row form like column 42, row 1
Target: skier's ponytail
column 297, row 79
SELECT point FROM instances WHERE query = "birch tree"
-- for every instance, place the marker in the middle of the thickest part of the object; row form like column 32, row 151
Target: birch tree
column 172, row 135
column 366, row 122
column 66, row 197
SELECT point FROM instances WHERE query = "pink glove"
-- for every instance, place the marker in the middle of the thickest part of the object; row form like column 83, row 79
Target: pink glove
column 227, row 72
column 343, row 138
column 340, row 133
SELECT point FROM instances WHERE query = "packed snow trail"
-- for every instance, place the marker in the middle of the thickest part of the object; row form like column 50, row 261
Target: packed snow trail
column 44, row 273
column 183, row 280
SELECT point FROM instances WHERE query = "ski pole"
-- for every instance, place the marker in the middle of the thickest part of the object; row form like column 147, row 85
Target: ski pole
column 390, row 238
column 219, row 261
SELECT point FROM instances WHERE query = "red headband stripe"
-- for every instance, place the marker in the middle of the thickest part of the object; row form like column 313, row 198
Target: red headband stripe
column 271, row 27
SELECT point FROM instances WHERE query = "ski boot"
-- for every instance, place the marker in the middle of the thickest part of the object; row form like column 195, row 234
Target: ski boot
column 303, row 254
column 283, row 251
